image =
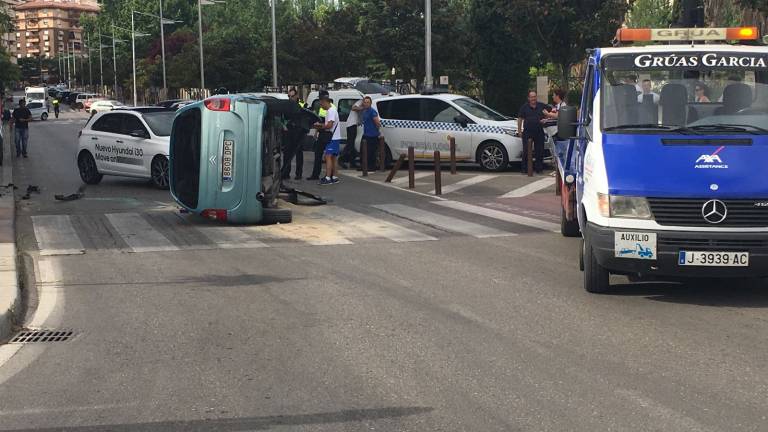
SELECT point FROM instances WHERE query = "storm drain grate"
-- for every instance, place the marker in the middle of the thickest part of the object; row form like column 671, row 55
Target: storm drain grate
column 36, row 336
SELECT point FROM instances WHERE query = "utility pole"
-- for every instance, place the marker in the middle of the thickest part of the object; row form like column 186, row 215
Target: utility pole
column 162, row 45
column 428, row 43
column 90, row 68
column 200, row 35
column 114, row 57
column 133, row 51
column 274, row 47
column 101, row 65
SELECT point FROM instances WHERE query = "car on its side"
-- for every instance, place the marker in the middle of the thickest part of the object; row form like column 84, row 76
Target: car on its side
column 104, row 105
column 130, row 142
column 181, row 104
column 71, row 98
column 168, row 103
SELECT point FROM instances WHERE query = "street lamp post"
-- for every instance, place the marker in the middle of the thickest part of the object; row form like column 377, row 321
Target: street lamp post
column 114, row 57
column 274, row 47
column 428, row 43
column 90, row 68
column 200, row 4
column 162, row 46
column 101, row 64
column 133, row 50
column 74, row 63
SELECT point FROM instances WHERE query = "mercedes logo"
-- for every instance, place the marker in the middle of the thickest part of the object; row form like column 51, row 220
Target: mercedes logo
column 714, row 211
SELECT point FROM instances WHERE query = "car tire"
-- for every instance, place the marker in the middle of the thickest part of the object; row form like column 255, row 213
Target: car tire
column 159, row 172
column 568, row 228
column 44, row 116
column 89, row 172
column 271, row 216
column 492, row 156
column 596, row 277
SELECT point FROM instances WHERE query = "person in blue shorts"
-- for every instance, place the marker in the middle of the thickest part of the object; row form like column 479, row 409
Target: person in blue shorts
column 333, row 148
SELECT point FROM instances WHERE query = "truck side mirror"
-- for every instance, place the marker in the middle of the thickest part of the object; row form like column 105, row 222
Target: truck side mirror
column 566, row 122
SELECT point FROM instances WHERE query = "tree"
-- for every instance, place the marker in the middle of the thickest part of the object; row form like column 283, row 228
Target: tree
column 650, row 14
column 565, row 29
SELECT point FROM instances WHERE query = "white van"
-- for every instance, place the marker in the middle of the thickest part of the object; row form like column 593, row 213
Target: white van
column 425, row 121
column 82, row 97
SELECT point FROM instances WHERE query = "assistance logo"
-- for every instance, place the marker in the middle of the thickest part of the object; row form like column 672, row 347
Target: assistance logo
column 711, row 161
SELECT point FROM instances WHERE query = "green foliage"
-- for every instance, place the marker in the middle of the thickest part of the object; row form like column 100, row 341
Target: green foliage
column 758, row 5
column 650, row 14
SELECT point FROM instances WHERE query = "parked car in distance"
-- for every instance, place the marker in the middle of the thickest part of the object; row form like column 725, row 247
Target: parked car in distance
column 88, row 102
column 38, row 110
column 71, row 98
column 168, row 103
column 82, row 98
column 104, row 105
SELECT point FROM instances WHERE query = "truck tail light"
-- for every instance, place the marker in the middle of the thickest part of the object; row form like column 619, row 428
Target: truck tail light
column 214, row 214
column 218, row 104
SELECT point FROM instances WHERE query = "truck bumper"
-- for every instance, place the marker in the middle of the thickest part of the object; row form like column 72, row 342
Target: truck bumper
column 670, row 243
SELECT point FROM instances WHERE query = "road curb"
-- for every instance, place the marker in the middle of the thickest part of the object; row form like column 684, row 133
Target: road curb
column 10, row 295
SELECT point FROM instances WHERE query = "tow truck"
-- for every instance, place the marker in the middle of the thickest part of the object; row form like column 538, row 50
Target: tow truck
column 666, row 157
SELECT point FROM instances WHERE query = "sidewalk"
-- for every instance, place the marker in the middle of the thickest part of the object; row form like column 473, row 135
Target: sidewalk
column 10, row 298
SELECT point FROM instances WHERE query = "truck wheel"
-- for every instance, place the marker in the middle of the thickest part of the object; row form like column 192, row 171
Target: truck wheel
column 272, row 216
column 568, row 228
column 596, row 277
column 492, row 156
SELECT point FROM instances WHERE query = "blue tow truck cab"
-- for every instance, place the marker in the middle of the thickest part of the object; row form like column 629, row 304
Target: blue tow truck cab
column 662, row 167
column 226, row 155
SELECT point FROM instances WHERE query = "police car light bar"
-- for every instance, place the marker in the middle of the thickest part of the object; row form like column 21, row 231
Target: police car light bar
column 687, row 34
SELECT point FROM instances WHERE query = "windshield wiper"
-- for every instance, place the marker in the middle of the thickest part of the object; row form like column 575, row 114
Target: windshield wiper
column 728, row 127
column 672, row 128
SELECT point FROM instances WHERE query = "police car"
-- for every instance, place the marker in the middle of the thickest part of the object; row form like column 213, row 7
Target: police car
column 126, row 142
column 424, row 122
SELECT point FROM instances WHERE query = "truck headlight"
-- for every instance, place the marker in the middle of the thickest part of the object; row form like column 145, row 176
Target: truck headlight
column 630, row 207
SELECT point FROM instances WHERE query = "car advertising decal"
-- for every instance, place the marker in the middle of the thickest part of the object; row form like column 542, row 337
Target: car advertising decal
column 628, row 244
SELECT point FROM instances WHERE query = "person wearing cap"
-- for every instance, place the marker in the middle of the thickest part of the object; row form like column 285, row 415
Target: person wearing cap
column 333, row 147
column 321, row 139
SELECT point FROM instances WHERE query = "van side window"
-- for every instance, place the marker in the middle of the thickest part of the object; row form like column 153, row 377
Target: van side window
column 402, row 109
column 108, row 123
column 589, row 94
column 439, row 111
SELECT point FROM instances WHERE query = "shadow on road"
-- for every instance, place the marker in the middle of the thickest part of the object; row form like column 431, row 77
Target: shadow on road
column 246, row 423
column 720, row 293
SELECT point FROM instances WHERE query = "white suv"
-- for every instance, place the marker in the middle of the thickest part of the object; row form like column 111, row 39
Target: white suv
column 425, row 121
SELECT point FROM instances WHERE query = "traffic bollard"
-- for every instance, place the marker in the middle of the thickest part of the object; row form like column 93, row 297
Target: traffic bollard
column 438, row 171
column 452, row 146
column 558, row 183
column 382, row 155
column 364, row 156
column 395, row 169
column 530, row 157
column 411, row 169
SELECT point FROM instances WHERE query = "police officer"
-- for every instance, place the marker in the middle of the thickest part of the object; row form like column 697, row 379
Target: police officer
column 294, row 138
column 530, row 120
column 56, row 106
column 323, row 137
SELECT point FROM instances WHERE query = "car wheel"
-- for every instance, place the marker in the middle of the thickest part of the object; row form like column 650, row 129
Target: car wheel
column 44, row 117
column 159, row 172
column 88, row 170
column 568, row 228
column 492, row 156
column 271, row 216
column 596, row 277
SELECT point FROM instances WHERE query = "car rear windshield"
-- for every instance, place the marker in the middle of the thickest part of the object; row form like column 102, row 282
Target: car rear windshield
column 160, row 122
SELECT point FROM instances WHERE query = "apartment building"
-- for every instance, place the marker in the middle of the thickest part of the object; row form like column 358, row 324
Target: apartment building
column 48, row 28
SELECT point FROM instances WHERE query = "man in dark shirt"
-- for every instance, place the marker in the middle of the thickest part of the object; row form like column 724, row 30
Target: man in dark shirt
column 530, row 120
column 21, row 118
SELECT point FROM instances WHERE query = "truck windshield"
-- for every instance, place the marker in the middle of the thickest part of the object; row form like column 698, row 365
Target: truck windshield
column 687, row 92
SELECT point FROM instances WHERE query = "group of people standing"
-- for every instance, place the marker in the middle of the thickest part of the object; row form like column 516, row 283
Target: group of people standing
column 533, row 120
column 327, row 139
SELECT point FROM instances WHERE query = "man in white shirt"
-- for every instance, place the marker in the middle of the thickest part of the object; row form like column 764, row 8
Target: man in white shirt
column 647, row 91
column 333, row 148
column 349, row 155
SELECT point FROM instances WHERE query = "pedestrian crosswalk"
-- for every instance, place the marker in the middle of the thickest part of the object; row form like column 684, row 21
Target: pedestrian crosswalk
column 168, row 231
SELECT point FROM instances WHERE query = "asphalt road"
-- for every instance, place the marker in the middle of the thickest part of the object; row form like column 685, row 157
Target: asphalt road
column 381, row 311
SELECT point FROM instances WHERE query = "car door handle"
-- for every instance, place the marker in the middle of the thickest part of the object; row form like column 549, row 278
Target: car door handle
column 94, row 138
column 119, row 141
column 387, row 126
column 432, row 131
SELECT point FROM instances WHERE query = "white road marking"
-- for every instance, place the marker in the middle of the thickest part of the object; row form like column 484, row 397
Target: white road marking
column 56, row 236
column 465, row 183
column 138, row 234
column 500, row 215
column 367, row 226
column 229, row 237
column 530, row 188
column 404, row 180
column 441, row 221
column 390, row 185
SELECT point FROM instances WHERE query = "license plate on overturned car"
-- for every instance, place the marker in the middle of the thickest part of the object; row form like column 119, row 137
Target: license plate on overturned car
column 713, row 259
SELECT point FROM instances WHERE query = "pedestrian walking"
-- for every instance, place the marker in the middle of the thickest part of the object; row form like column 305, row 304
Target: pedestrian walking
column 293, row 145
column 21, row 116
column 348, row 157
column 371, row 131
column 56, row 107
column 332, row 149
column 530, row 120
column 322, row 138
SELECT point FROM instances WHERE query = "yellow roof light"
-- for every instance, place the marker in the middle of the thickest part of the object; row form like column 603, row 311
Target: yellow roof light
column 687, row 34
